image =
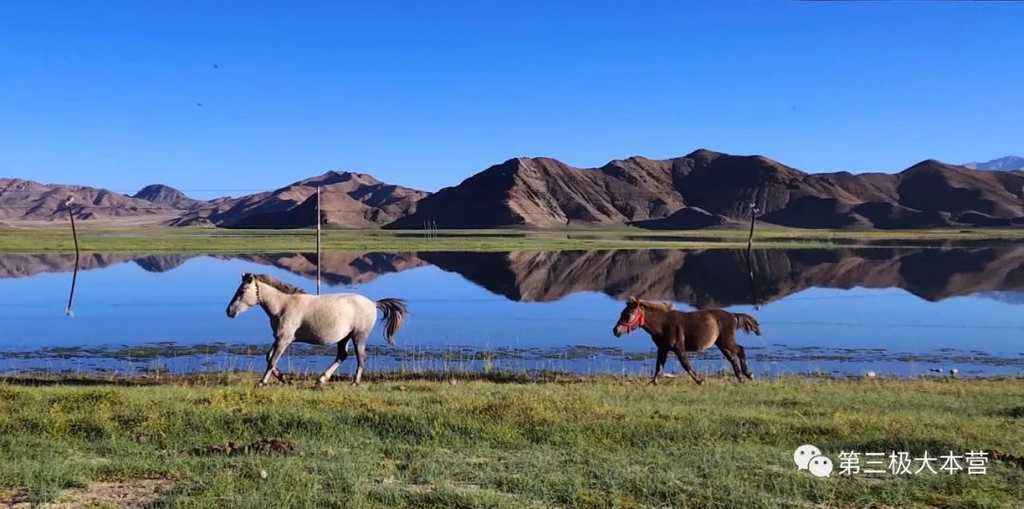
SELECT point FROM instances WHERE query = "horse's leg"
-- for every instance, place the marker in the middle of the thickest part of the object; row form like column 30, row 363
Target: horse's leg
column 731, row 356
column 340, row 358
column 360, row 341
column 727, row 344
column 280, row 345
column 685, row 361
column 742, row 354
column 272, row 371
column 280, row 376
column 659, row 364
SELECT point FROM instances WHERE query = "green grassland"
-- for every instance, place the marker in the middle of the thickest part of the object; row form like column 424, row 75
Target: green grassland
column 507, row 442
column 93, row 238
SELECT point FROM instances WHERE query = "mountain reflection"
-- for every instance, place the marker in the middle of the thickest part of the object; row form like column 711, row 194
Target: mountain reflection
column 719, row 277
column 701, row 278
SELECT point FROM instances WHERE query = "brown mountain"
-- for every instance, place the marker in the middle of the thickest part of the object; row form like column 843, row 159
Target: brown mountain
column 544, row 193
column 26, row 200
column 719, row 189
column 348, row 199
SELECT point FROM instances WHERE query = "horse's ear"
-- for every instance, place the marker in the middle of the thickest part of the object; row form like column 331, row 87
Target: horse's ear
column 632, row 300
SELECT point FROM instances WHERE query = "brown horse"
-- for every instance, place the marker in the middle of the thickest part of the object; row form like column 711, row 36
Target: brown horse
column 696, row 331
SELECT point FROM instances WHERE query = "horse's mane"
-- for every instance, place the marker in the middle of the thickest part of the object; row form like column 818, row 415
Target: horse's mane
column 650, row 304
column 279, row 285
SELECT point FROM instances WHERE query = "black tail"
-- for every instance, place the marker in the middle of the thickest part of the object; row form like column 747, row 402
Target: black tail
column 747, row 323
column 394, row 312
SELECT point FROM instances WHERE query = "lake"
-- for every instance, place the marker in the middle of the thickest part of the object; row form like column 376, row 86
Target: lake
column 902, row 311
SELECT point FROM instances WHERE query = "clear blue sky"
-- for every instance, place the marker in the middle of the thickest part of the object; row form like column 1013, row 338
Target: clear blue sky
column 105, row 93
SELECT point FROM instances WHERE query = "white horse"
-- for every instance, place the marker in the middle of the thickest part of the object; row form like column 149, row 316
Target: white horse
column 317, row 319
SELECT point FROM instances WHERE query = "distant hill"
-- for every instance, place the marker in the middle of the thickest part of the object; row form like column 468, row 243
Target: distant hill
column 27, row 200
column 1008, row 163
column 706, row 188
column 166, row 195
column 347, row 199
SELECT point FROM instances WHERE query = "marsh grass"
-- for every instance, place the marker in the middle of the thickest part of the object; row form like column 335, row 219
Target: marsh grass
column 508, row 440
column 155, row 239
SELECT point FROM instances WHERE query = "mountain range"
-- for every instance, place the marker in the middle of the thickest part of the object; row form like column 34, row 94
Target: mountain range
column 1008, row 163
column 701, row 189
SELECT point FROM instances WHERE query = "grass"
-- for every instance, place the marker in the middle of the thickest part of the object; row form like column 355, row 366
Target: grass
column 93, row 238
column 508, row 442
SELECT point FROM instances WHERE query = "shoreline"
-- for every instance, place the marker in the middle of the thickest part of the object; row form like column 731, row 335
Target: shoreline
column 776, row 360
column 307, row 380
column 162, row 239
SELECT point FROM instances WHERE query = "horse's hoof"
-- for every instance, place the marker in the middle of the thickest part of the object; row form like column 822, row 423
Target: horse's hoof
column 652, row 382
column 699, row 381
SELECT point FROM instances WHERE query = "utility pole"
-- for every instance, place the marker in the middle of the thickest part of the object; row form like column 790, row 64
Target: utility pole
column 74, row 275
column 753, row 217
column 318, row 220
column 750, row 252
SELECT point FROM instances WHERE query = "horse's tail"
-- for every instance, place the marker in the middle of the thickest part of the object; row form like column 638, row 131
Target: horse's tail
column 747, row 323
column 394, row 312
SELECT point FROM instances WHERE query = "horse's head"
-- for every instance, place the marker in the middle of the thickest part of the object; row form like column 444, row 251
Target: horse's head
column 634, row 315
column 246, row 296
column 630, row 318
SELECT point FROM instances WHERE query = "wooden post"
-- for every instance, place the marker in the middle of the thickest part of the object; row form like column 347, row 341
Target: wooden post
column 318, row 220
column 753, row 217
column 74, row 276
column 750, row 253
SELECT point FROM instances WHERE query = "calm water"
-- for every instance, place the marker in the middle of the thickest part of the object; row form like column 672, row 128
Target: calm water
column 899, row 311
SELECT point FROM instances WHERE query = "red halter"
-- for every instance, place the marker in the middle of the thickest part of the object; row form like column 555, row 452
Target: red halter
column 638, row 320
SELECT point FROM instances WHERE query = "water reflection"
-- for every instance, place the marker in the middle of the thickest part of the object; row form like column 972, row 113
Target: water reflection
column 719, row 278
column 700, row 278
column 892, row 310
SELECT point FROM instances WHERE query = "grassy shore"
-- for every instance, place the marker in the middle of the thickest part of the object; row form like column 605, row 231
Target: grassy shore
column 93, row 238
column 494, row 442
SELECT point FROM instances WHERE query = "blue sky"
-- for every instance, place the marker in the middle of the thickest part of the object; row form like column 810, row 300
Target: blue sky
column 425, row 94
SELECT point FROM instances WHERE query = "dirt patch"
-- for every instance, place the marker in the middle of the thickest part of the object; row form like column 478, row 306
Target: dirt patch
column 261, row 446
column 132, row 494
